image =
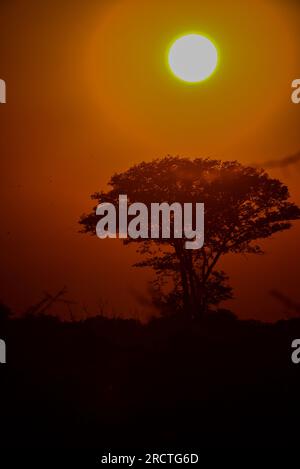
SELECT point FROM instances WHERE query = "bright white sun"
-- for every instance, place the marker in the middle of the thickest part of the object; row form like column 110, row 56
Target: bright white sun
column 193, row 58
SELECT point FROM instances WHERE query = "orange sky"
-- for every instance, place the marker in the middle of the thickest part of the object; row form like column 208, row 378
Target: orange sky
column 89, row 94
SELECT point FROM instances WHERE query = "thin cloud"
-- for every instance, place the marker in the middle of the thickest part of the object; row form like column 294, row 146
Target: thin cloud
column 282, row 162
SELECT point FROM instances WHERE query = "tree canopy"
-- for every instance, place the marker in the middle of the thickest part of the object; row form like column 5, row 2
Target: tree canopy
column 242, row 206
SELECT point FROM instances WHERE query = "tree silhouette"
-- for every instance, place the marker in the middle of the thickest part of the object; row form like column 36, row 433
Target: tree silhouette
column 242, row 205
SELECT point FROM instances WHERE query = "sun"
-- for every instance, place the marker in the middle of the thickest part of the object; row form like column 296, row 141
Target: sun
column 193, row 58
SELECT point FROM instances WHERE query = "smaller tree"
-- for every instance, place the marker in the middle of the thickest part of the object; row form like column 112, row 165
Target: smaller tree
column 242, row 205
column 5, row 313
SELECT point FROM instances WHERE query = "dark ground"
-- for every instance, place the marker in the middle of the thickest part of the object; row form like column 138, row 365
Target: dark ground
column 213, row 383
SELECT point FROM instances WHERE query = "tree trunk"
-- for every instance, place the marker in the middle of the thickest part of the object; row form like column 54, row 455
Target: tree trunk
column 184, row 278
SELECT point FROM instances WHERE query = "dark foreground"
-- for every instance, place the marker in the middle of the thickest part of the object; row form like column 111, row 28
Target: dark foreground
column 218, row 383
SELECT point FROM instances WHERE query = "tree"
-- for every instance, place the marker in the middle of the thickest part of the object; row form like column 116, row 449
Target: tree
column 242, row 206
column 5, row 313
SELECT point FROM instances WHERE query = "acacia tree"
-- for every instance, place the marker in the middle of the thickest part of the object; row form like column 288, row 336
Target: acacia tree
column 242, row 206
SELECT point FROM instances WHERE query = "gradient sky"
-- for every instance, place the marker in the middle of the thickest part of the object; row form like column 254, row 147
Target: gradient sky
column 89, row 94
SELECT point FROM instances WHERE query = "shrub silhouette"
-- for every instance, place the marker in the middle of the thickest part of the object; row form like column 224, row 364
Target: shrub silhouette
column 242, row 206
column 215, row 382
